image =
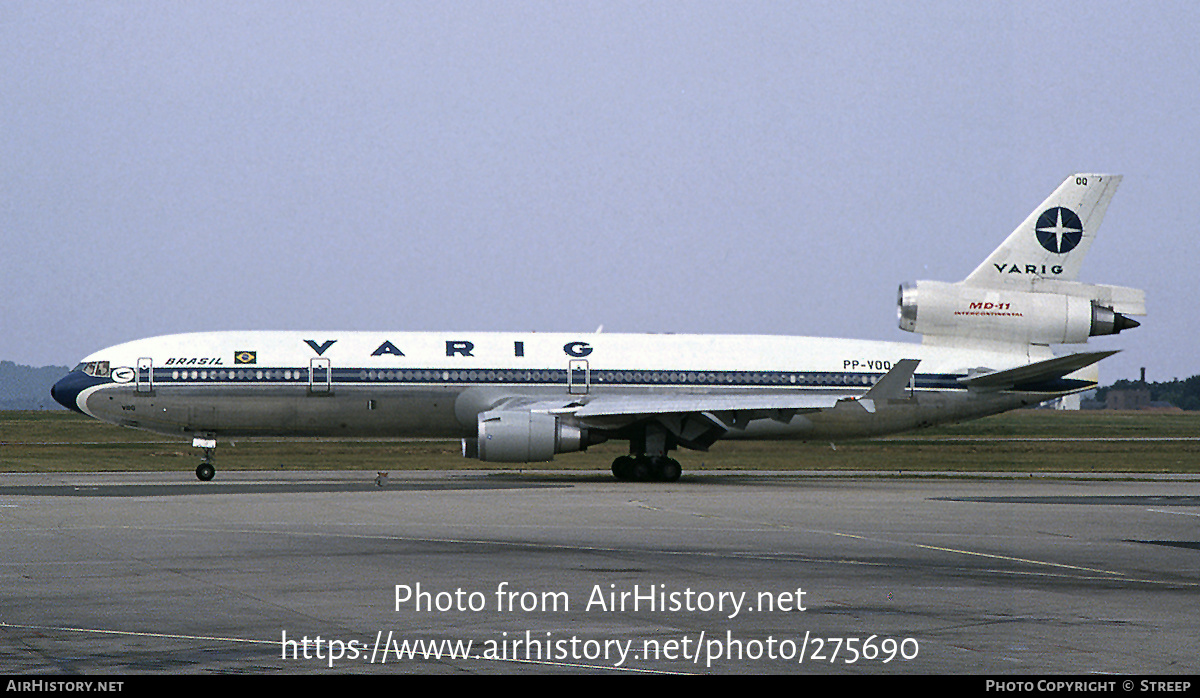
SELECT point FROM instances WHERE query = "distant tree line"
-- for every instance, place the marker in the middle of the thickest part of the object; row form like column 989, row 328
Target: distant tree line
column 1184, row 394
column 27, row 387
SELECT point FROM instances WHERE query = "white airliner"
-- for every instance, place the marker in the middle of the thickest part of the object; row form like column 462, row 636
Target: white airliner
column 525, row 397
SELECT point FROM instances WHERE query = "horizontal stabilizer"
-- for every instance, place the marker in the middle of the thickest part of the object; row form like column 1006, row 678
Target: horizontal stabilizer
column 1034, row 375
column 1127, row 301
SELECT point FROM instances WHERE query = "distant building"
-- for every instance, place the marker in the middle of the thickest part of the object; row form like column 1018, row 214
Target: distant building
column 1128, row 399
column 1136, row 399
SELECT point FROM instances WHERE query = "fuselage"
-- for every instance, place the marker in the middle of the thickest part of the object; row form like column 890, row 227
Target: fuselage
column 433, row 384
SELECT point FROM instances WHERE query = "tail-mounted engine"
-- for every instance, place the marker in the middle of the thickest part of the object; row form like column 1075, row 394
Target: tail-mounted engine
column 1059, row 313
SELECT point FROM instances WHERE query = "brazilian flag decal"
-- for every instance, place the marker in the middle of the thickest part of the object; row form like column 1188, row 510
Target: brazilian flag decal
column 245, row 357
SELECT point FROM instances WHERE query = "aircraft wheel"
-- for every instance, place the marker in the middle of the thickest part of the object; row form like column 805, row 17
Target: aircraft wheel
column 642, row 469
column 663, row 469
column 205, row 471
column 646, row 469
column 670, row 470
column 622, row 468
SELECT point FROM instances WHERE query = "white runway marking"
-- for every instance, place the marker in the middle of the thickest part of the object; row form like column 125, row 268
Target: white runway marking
column 130, row 633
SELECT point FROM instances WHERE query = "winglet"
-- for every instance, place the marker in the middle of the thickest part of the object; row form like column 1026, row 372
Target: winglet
column 892, row 385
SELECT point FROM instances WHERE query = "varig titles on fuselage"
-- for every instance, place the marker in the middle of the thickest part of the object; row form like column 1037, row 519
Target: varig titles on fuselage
column 455, row 347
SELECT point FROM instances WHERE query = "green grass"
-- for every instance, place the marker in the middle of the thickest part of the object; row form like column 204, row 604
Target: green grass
column 64, row 441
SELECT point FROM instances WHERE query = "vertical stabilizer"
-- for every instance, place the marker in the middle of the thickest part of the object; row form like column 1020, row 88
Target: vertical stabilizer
column 1053, row 240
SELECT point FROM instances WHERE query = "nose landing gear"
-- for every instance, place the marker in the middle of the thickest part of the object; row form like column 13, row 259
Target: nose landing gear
column 206, row 470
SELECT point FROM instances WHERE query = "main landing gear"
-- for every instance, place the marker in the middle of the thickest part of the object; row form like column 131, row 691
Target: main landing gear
column 643, row 468
column 648, row 460
column 206, row 470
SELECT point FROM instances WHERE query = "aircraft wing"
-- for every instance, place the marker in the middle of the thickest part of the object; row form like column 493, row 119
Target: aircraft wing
column 646, row 405
column 698, row 419
column 891, row 385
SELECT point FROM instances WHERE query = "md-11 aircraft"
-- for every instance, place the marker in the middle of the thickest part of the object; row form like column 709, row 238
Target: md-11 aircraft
column 525, row 397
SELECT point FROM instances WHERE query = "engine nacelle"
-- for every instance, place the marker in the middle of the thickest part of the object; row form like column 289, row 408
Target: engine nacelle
column 935, row 308
column 520, row 436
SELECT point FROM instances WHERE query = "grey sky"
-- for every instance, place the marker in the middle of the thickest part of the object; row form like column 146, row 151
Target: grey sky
column 740, row 167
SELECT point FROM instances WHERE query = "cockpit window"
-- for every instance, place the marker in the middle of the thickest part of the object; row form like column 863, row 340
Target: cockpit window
column 95, row 368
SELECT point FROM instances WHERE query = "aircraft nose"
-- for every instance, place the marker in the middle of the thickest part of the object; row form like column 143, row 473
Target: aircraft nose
column 66, row 391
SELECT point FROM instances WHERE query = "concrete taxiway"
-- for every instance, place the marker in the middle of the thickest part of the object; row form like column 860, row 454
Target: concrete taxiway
column 574, row 572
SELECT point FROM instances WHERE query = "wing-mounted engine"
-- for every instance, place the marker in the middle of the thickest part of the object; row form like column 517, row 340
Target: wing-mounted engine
column 1055, row 312
column 522, row 436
